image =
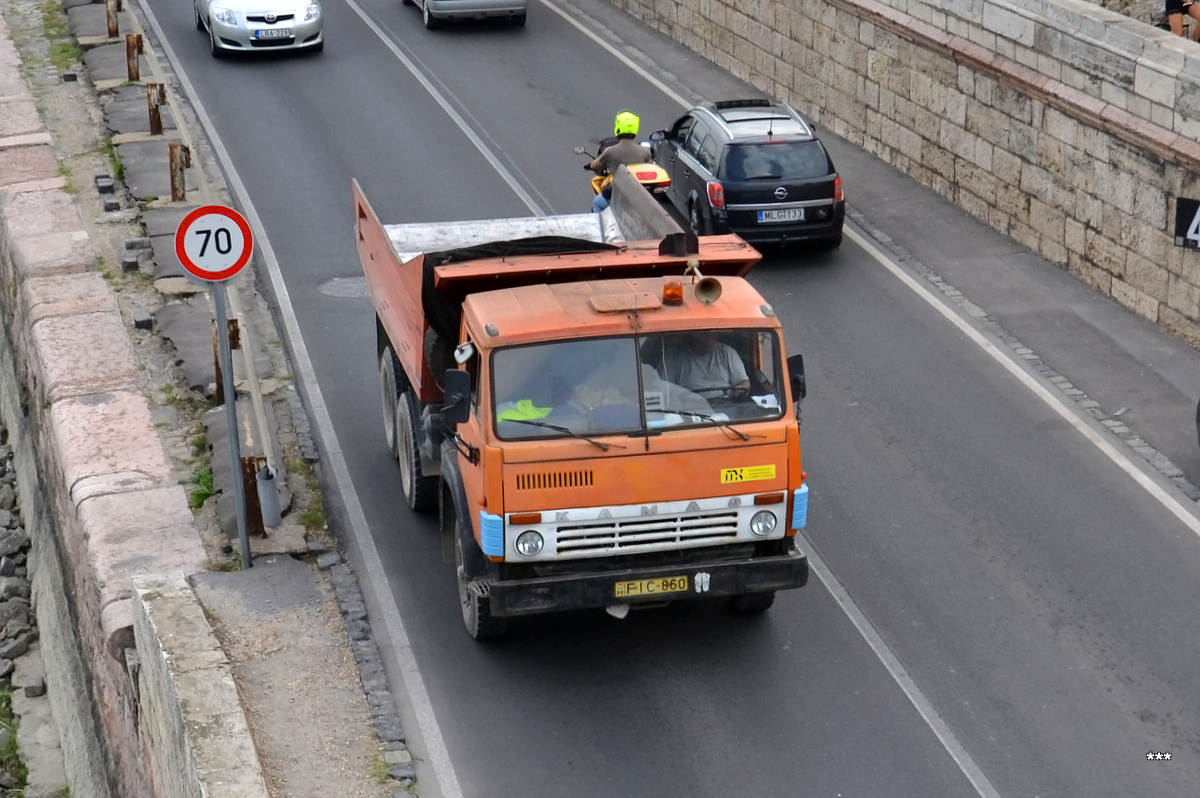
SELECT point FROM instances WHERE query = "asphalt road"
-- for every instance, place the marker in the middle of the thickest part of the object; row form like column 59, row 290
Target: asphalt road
column 999, row 608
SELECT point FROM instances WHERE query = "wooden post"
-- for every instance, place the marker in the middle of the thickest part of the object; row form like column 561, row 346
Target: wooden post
column 181, row 158
column 219, row 396
column 133, row 48
column 254, row 519
column 111, row 7
column 156, row 95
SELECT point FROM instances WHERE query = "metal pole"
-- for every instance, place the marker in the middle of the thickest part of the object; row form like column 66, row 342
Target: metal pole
column 235, row 444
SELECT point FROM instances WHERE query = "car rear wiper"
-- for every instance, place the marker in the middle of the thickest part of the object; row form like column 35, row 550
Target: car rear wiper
column 716, row 421
column 765, row 177
column 603, row 446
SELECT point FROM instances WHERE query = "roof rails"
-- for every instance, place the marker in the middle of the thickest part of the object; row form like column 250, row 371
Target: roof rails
column 759, row 102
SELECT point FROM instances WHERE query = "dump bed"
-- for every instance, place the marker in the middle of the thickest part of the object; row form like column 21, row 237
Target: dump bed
column 419, row 274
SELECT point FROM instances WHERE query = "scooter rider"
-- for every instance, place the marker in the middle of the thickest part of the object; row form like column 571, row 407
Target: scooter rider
column 626, row 151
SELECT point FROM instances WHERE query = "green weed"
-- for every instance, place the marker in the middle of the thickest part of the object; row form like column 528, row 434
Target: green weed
column 204, row 490
column 10, row 761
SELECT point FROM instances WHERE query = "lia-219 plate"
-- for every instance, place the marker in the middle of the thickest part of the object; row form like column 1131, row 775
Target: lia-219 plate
column 651, row 587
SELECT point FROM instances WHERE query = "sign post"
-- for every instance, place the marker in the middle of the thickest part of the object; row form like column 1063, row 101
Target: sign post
column 214, row 244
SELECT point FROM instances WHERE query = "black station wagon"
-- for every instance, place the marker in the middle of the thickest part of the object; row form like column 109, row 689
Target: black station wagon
column 752, row 167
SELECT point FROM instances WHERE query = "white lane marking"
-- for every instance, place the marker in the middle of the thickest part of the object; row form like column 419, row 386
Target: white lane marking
column 1058, row 404
column 439, row 755
column 441, row 100
column 620, row 56
column 923, row 705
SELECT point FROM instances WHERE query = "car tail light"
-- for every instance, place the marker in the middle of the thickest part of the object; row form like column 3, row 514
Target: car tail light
column 837, row 189
column 716, row 194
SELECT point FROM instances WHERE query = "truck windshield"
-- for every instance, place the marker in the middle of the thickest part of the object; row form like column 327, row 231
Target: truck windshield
column 631, row 384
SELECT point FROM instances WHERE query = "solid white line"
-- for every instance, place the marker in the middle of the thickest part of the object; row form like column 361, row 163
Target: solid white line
column 436, row 751
column 620, row 56
column 892, row 663
column 1056, row 402
column 441, row 100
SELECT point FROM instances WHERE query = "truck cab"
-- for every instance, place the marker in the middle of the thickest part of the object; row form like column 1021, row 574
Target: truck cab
column 597, row 465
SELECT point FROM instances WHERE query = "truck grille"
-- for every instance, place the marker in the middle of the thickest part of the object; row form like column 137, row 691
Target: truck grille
column 549, row 480
column 648, row 533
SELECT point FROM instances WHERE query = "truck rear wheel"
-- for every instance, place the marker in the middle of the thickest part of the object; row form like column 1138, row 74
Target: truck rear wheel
column 420, row 491
column 476, row 609
column 753, row 603
column 390, row 387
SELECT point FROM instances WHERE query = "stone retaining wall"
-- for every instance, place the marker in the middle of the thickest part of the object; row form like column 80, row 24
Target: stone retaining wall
column 97, row 494
column 1066, row 126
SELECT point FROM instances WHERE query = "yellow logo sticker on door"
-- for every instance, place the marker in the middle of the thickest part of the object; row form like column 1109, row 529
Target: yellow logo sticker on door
column 747, row 474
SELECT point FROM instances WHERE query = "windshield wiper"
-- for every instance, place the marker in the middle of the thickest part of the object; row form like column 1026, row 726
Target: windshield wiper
column 764, row 177
column 603, row 446
column 718, row 422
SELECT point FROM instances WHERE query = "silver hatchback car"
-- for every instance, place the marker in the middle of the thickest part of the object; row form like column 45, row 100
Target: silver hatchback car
column 435, row 13
column 247, row 25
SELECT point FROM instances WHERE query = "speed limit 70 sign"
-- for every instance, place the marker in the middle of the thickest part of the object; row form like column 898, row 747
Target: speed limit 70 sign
column 214, row 243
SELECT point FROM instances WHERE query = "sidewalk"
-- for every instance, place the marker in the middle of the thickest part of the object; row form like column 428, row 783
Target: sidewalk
column 293, row 626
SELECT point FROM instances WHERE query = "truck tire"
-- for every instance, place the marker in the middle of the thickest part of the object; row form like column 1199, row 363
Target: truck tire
column 391, row 384
column 420, row 491
column 476, row 609
column 753, row 603
column 440, row 357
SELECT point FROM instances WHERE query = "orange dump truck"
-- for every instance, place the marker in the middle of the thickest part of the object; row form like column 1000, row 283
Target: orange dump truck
column 598, row 428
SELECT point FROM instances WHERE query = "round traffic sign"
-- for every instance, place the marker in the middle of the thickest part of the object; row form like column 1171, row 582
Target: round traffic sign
column 214, row 243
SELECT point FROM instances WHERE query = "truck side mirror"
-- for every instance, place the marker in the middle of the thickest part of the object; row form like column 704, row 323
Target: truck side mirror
column 457, row 387
column 795, row 365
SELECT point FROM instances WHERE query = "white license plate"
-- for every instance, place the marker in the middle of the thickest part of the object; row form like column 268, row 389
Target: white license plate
column 273, row 33
column 785, row 215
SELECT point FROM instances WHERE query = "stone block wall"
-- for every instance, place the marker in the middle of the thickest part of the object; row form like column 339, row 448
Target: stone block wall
column 1066, row 126
column 198, row 732
column 98, row 498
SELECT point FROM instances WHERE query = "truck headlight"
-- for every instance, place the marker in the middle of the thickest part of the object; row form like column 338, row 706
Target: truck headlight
column 762, row 524
column 529, row 543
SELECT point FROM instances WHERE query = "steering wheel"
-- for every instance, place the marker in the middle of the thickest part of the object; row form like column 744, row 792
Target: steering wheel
column 725, row 392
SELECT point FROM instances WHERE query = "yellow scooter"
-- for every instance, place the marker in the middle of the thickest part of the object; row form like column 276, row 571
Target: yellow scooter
column 656, row 179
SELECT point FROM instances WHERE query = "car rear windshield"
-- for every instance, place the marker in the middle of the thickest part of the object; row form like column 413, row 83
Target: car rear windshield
column 782, row 160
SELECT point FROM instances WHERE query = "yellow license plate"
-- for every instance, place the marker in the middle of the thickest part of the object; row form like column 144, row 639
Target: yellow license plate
column 651, row 587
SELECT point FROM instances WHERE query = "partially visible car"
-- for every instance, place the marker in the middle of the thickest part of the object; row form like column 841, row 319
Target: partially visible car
column 754, row 167
column 434, row 13
column 247, row 25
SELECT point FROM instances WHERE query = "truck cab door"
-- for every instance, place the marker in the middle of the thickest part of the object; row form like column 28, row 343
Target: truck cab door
column 470, row 433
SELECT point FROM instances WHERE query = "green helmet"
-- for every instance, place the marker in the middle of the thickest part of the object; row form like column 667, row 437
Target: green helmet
column 626, row 124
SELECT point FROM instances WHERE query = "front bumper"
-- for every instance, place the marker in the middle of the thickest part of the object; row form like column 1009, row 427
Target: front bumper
column 762, row 574
column 244, row 35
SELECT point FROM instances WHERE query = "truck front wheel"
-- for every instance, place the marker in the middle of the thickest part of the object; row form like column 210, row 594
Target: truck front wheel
column 420, row 491
column 753, row 603
column 476, row 609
